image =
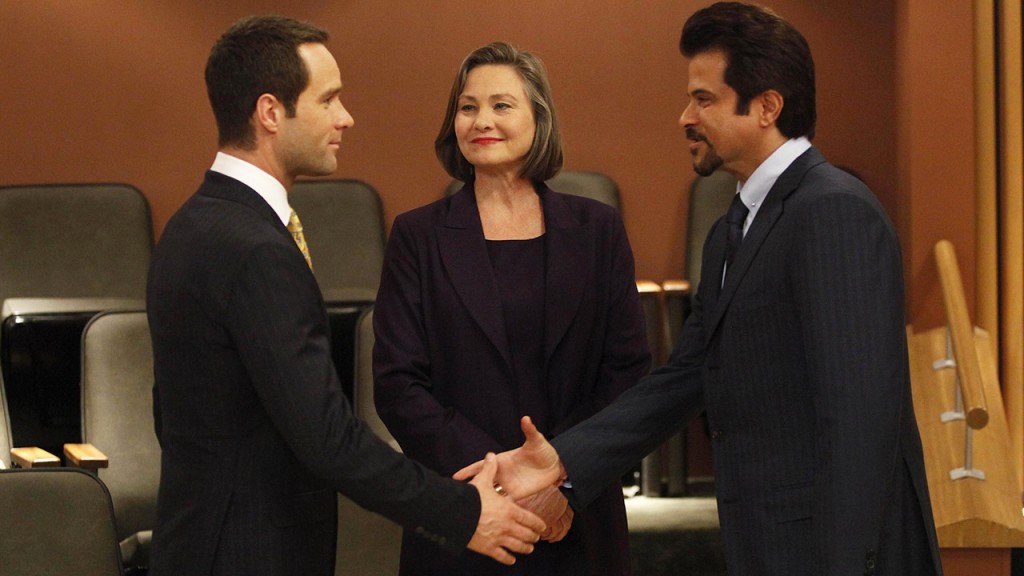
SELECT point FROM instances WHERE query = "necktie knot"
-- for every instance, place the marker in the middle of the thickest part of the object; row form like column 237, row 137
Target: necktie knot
column 734, row 218
column 295, row 227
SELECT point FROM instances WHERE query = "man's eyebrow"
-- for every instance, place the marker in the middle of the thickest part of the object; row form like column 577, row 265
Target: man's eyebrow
column 331, row 93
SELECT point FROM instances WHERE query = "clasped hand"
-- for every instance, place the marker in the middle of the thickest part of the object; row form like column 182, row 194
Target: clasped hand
column 552, row 507
column 530, row 475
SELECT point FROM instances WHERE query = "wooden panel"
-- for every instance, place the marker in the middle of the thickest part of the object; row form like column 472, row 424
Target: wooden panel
column 975, row 561
column 985, row 169
column 1011, row 209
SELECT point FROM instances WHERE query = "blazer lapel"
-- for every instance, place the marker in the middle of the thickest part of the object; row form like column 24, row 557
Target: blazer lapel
column 464, row 254
column 567, row 268
column 765, row 220
column 225, row 187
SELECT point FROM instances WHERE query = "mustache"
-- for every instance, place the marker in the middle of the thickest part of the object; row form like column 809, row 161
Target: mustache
column 692, row 134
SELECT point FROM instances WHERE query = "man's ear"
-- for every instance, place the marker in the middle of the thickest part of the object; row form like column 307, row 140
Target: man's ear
column 771, row 107
column 269, row 113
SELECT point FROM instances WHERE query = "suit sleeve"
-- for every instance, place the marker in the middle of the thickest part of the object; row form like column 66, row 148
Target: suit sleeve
column 427, row 430
column 849, row 292
column 607, row 445
column 280, row 331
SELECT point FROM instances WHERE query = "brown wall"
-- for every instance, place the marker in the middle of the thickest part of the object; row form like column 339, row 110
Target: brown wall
column 935, row 72
column 113, row 91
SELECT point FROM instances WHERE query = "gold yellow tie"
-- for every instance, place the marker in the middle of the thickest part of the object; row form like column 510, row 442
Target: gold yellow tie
column 295, row 227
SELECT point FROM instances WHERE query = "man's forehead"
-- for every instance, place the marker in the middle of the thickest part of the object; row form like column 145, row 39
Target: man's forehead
column 706, row 71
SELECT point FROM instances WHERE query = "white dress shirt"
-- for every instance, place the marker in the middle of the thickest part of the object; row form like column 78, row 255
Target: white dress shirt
column 756, row 188
column 263, row 183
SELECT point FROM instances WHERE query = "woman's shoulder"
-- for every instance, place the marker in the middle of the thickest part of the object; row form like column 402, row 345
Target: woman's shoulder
column 426, row 215
column 582, row 208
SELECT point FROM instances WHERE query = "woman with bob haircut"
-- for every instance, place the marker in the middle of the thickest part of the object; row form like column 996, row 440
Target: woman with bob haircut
column 502, row 300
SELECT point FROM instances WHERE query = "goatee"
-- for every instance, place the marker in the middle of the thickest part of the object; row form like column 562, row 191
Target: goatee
column 711, row 161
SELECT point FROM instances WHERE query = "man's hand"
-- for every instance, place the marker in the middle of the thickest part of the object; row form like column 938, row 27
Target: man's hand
column 553, row 509
column 503, row 527
column 560, row 528
column 526, row 470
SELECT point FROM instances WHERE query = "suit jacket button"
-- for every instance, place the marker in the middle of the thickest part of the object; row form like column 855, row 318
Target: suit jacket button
column 717, row 434
column 869, row 563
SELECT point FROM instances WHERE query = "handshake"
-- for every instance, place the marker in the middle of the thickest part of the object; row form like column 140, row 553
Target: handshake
column 519, row 498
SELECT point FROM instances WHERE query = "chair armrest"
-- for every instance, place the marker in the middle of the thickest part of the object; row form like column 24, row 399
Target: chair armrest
column 676, row 287
column 647, row 287
column 33, row 458
column 86, row 456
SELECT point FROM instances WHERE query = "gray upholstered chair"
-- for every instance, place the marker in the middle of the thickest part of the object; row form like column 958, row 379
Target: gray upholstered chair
column 74, row 241
column 56, row 521
column 343, row 222
column 117, row 418
column 709, row 199
column 66, row 252
column 367, row 543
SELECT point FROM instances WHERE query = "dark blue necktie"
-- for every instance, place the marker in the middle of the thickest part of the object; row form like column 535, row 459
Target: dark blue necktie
column 734, row 219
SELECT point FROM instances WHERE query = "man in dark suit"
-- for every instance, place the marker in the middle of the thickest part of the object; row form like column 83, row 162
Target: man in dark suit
column 256, row 434
column 795, row 347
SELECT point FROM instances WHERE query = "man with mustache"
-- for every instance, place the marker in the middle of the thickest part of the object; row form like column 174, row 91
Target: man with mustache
column 795, row 347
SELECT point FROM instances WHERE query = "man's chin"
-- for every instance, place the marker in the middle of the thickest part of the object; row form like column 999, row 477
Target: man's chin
column 325, row 169
column 704, row 169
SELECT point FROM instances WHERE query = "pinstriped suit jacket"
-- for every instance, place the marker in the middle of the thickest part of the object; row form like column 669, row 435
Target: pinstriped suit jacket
column 256, row 434
column 801, row 362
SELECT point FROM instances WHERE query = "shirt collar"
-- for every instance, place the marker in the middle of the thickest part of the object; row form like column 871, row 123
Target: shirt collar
column 756, row 188
column 268, row 187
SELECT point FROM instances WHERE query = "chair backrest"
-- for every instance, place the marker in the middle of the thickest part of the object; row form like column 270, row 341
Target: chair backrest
column 367, row 543
column 74, row 241
column 343, row 223
column 5, row 428
column 117, row 413
column 56, row 521
column 364, row 405
column 593, row 185
column 709, row 199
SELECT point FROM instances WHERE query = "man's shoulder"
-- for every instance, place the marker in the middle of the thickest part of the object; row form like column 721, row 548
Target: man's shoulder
column 213, row 230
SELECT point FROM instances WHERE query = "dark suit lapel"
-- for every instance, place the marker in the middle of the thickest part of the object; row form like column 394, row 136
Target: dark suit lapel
column 464, row 253
column 711, row 276
column 225, row 187
column 765, row 220
column 567, row 268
